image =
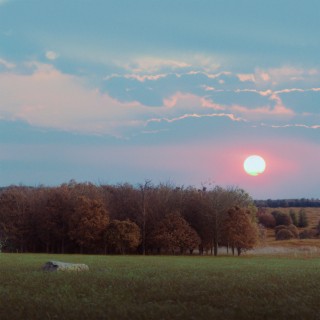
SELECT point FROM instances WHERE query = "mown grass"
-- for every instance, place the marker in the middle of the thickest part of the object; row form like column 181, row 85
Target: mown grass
column 161, row 287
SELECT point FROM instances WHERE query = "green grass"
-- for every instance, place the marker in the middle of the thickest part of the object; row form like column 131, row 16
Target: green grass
column 162, row 287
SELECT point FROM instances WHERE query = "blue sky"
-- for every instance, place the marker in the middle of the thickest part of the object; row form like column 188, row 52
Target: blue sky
column 180, row 91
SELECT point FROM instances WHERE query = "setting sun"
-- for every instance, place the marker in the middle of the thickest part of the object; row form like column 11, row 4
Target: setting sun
column 254, row 165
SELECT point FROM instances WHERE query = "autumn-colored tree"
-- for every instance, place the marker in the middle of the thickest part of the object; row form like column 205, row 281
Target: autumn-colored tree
column 174, row 233
column 74, row 216
column 88, row 222
column 122, row 236
column 59, row 207
column 220, row 200
column 239, row 229
column 14, row 222
column 194, row 210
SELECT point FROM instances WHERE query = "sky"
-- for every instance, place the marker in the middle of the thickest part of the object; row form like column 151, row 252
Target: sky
column 172, row 91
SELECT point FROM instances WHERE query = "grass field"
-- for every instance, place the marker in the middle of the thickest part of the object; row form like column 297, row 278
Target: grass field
column 162, row 287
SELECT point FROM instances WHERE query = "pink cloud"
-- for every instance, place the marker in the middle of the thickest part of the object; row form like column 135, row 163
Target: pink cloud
column 262, row 112
column 153, row 64
column 52, row 99
column 285, row 74
column 244, row 77
column 195, row 115
column 208, row 104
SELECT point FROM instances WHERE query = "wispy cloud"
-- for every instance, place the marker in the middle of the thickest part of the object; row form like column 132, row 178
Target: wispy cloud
column 305, row 126
column 145, row 65
column 285, row 74
column 7, row 64
column 153, row 64
column 198, row 116
column 296, row 90
column 262, row 112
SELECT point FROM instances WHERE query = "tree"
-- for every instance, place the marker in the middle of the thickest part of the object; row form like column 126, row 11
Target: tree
column 144, row 188
column 15, row 219
column 281, row 218
column 59, row 207
column 174, row 233
column 293, row 216
column 122, row 236
column 240, row 231
column 267, row 220
column 195, row 210
column 303, row 219
column 88, row 222
column 220, row 200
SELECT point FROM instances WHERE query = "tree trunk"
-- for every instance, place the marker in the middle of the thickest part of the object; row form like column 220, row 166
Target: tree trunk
column 239, row 251
column 215, row 245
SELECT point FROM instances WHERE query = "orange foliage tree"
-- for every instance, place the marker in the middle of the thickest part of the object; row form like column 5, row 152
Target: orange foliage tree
column 88, row 222
column 122, row 236
column 174, row 233
column 240, row 231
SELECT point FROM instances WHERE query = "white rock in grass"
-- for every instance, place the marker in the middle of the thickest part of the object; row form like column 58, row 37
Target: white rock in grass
column 64, row 266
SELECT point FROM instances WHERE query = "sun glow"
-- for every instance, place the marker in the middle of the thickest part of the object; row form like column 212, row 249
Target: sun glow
column 254, row 165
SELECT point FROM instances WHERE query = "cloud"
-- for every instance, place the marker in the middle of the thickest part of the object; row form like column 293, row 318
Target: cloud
column 140, row 78
column 246, row 77
column 49, row 98
column 187, row 63
column 296, row 90
column 194, row 115
column 262, row 112
column 278, row 110
column 7, row 64
column 285, row 74
column 293, row 126
column 45, row 97
column 152, row 64
column 51, row 55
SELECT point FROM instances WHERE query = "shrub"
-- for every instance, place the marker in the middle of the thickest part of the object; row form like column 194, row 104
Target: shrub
column 284, row 234
column 281, row 218
column 267, row 220
column 308, row 234
column 294, row 218
column 294, row 230
column 303, row 220
column 280, row 227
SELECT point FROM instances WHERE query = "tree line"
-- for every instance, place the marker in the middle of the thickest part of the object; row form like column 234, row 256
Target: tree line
column 145, row 219
column 286, row 203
